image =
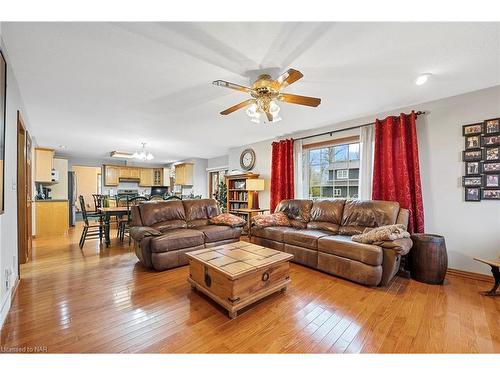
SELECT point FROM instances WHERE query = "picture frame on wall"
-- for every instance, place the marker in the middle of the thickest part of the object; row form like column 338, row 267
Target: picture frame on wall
column 491, row 126
column 491, row 194
column 472, row 194
column 472, row 129
column 472, row 142
column 491, row 181
column 472, row 155
column 472, row 181
column 3, row 109
column 490, row 140
column 472, row 168
column 491, row 153
column 491, row 167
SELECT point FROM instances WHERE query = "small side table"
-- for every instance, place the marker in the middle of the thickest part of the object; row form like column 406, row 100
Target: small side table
column 495, row 270
column 428, row 258
column 250, row 213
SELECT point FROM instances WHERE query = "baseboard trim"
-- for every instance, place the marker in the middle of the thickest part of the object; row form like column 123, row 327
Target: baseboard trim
column 14, row 289
column 470, row 275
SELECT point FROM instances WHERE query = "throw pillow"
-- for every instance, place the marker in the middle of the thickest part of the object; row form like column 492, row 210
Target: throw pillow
column 278, row 219
column 383, row 233
column 229, row 220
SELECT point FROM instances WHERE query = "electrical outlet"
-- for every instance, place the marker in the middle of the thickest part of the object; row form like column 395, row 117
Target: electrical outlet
column 7, row 279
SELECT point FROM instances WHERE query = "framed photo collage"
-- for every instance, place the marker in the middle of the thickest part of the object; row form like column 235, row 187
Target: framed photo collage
column 481, row 157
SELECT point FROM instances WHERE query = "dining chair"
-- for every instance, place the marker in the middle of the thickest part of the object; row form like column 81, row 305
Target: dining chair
column 122, row 201
column 156, row 197
column 91, row 229
column 125, row 230
column 172, row 197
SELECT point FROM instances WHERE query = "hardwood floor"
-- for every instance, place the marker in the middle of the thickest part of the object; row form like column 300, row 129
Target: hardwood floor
column 103, row 300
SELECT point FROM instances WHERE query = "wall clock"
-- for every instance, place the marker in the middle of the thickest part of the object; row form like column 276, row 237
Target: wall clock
column 247, row 159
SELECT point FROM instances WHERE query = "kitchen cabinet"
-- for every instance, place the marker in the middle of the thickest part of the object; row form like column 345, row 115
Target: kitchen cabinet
column 124, row 172
column 184, row 174
column 158, row 177
column 146, row 177
column 44, row 162
column 111, row 175
column 51, row 217
column 135, row 173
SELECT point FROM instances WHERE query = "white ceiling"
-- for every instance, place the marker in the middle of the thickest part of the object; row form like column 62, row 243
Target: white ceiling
column 98, row 87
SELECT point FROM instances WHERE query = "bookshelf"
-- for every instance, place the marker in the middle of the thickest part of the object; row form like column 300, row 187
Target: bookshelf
column 238, row 197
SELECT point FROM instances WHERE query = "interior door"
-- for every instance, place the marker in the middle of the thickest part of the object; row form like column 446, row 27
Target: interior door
column 22, row 193
column 29, row 194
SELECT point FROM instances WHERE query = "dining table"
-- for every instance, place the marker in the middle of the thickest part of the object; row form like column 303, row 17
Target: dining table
column 109, row 212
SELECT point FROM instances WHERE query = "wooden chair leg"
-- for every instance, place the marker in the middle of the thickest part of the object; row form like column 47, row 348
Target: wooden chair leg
column 84, row 236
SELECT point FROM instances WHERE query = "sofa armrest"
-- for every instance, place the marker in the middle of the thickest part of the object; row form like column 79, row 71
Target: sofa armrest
column 401, row 246
column 138, row 233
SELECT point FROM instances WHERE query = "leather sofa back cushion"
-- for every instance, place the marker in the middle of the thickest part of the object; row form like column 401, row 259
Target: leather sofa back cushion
column 359, row 215
column 297, row 210
column 199, row 211
column 326, row 215
column 162, row 212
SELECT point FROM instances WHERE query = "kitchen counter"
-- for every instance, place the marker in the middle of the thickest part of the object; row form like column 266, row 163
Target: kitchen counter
column 51, row 200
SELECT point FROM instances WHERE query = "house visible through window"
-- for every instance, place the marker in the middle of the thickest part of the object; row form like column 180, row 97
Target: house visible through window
column 332, row 171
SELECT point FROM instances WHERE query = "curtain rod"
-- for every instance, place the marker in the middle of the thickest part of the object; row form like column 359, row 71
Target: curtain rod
column 418, row 113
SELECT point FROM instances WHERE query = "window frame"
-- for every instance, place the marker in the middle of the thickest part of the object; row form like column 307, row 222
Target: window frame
column 322, row 172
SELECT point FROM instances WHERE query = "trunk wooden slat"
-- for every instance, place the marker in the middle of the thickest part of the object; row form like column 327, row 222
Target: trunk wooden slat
column 239, row 274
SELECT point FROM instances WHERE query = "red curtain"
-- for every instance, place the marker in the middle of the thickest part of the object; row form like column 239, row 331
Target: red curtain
column 281, row 172
column 396, row 171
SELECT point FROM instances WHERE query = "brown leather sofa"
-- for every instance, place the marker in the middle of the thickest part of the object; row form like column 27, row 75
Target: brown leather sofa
column 164, row 231
column 320, row 237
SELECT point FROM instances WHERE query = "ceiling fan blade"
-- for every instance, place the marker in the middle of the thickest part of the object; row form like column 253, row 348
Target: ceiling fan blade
column 237, row 106
column 299, row 99
column 232, row 86
column 289, row 77
column 270, row 117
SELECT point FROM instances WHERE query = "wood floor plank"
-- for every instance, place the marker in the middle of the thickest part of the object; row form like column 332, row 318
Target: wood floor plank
column 102, row 300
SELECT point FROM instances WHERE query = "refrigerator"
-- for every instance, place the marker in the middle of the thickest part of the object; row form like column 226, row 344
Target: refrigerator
column 72, row 197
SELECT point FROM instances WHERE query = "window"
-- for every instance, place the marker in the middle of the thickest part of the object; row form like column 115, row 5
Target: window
column 332, row 170
column 342, row 174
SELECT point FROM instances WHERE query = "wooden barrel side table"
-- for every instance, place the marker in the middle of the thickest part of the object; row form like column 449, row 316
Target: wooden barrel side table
column 428, row 258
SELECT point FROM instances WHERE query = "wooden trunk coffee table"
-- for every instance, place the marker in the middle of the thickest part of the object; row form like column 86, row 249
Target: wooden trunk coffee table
column 238, row 274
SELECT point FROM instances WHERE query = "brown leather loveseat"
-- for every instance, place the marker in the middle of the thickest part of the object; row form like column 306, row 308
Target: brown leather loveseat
column 163, row 232
column 320, row 237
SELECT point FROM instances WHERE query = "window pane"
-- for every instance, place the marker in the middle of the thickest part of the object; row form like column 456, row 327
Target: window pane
column 340, row 153
column 314, row 156
column 333, row 172
column 354, row 151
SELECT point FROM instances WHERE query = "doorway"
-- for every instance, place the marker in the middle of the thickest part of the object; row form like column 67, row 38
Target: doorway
column 24, row 192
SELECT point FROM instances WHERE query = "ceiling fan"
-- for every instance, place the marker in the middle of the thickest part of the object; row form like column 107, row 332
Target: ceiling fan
column 265, row 91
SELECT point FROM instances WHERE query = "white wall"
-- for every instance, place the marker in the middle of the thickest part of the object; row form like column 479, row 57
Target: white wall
column 218, row 162
column 471, row 229
column 8, row 220
column 60, row 190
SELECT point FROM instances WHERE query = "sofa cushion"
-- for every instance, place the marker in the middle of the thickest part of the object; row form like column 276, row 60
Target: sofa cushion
column 215, row 233
column 270, row 233
column 326, row 215
column 297, row 210
column 278, row 219
column 304, row 237
column 359, row 215
column 199, row 211
column 176, row 239
column 343, row 246
column 229, row 220
column 162, row 212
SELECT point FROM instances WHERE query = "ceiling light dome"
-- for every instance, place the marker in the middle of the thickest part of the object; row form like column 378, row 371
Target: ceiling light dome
column 423, row 78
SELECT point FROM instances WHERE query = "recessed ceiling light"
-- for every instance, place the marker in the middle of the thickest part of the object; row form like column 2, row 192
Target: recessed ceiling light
column 422, row 79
